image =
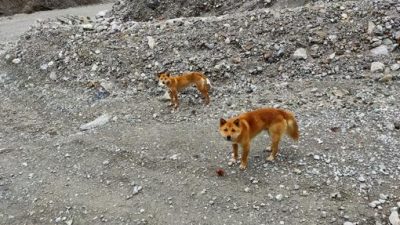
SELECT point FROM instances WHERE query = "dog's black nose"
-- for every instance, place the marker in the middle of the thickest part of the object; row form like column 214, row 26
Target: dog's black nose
column 228, row 138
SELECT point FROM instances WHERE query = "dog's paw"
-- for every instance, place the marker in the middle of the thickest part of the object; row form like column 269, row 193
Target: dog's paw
column 232, row 162
column 242, row 166
column 271, row 158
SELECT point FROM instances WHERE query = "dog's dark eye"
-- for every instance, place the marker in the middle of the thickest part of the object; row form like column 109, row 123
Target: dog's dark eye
column 233, row 130
column 225, row 129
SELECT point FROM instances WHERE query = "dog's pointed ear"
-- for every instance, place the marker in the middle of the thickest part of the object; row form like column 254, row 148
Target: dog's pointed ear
column 167, row 73
column 236, row 122
column 161, row 72
column 222, row 122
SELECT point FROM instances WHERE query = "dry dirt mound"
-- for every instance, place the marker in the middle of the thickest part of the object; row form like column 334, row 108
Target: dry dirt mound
column 9, row 7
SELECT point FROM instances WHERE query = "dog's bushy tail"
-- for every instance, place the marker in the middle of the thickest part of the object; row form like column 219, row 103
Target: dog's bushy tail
column 207, row 82
column 292, row 127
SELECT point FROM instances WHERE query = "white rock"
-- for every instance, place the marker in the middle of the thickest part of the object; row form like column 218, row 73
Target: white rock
column 333, row 38
column 94, row 67
column 371, row 27
column 348, row 223
column 397, row 35
column 136, row 189
column 332, row 56
column 297, row 171
column 300, row 53
column 87, row 26
column 374, row 204
column 101, row 28
column 383, row 196
column 279, row 197
column 165, row 97
column 377, row 67
column 151, row 42
column 53, row 75
column 247, row 189
column 101, row 13
column 395, row 67
column 44, row 66
column 99, row 121
column 174, row 156
column 394, row 217
column 380, row 50
column 16, row 61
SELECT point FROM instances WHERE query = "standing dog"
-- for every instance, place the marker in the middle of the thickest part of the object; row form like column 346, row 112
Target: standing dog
column 177, row 83
column 243, row 128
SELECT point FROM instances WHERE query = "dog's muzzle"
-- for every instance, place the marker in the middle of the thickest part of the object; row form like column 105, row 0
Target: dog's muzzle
column 229, row 138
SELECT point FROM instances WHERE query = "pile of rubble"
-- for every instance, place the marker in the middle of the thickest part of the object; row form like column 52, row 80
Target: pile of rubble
column 350, row 40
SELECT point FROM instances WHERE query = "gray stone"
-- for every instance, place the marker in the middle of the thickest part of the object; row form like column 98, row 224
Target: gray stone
column 300, row 53
column 53, row 75
column 395, row 67
column 99, row 121
column 394, row 217
column 374, row 204
column 87, row 26
column 396, row 35
column 101, row 14
column 377, row 67
column 371, row 27
column 279, row 197
column 380, row 50
column 151, row 42
column 16, row 61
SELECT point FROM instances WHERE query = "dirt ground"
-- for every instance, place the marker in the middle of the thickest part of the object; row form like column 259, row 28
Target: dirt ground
column 51, row 172
column 11, row 7
column 150, row 165
column 12, row 27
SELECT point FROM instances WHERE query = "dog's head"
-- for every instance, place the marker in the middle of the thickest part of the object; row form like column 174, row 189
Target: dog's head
column 230, row 129
column 164, row 79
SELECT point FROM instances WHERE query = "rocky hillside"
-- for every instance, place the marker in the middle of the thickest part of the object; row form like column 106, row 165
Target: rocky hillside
column 350, row 40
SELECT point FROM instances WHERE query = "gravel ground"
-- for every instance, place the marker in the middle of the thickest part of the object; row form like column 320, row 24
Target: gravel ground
column 334, row 63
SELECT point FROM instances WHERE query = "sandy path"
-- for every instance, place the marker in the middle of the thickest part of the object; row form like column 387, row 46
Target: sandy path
column 12, row 27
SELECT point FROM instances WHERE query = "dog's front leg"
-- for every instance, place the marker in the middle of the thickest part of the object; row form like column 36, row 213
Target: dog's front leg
column 174, row 98
column 245, row 154
column 235, row 156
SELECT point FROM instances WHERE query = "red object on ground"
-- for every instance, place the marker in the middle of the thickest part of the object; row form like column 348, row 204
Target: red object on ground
column 220, row 172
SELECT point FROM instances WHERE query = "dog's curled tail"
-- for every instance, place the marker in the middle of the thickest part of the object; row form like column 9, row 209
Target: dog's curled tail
column 292, row 127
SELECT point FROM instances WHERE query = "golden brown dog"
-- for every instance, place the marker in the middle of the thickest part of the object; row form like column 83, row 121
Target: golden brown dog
column 243, row 128
column 177, row 83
